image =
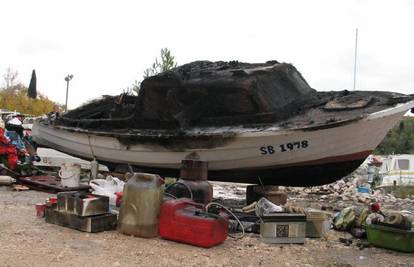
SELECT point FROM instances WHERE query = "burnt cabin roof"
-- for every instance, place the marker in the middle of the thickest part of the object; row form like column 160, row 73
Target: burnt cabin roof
column 205, row 93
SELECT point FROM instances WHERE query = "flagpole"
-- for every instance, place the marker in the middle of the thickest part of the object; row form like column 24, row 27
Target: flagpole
column 355, row 59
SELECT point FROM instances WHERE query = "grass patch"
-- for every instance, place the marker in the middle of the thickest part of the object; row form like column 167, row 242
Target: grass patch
column 403, row 191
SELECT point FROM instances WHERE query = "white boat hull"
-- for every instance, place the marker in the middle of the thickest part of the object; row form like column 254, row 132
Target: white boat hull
column 250, row 149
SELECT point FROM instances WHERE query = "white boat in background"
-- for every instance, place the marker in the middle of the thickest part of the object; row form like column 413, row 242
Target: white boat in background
column 398, row 170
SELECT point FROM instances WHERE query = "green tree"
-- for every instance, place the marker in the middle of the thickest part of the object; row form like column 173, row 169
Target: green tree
column 166, row 62
column 134, row 88
column 32, row 91
column 400, row 140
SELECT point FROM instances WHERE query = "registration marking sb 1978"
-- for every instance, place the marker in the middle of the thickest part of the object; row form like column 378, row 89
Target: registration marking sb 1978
column 269, row 150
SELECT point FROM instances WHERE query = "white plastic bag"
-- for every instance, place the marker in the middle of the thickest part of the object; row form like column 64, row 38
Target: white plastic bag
column 264, row 206
column 107, row 187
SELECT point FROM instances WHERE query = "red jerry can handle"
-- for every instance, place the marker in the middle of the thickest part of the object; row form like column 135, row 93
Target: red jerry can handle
column 182, row 202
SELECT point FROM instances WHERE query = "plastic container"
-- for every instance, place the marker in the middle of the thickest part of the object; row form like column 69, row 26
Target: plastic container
column 390, row 238
column 70, row 174
column 140, row 208
column 6, row 180
column 363, row 190
column 318, row 223
column 40, row 210
column 185, row 221
column 52, row 200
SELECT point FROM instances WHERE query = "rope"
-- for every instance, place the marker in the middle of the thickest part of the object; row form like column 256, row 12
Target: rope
column 170, row 195
column 175, row 183
column 90, row 146
column 131, row 170
column 261, row 183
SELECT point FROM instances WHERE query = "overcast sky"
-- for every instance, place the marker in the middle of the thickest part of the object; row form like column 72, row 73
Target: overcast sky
column 107, row 45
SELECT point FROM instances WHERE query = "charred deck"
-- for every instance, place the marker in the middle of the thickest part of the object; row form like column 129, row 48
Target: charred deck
column 215, row 94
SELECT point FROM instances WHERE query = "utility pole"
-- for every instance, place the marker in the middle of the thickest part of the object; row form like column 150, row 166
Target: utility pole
column 67, row 79
column 355, row 59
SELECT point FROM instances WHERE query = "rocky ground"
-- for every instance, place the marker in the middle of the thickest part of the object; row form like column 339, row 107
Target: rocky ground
column 26, row 240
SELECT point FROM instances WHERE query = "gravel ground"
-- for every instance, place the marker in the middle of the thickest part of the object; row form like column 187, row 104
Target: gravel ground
column 26, row 240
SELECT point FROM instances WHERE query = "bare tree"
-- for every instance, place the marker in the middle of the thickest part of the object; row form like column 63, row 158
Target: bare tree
column 10, row 77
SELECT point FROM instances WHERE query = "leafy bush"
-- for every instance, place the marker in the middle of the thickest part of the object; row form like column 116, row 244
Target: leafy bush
column 400, row 140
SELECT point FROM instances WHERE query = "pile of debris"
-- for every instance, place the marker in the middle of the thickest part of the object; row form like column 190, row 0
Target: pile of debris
column 354, row 189
column 345, row 192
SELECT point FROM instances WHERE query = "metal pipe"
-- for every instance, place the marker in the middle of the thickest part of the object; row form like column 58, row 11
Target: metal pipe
column 67, row 79
column 67, row 90
column 355, row 59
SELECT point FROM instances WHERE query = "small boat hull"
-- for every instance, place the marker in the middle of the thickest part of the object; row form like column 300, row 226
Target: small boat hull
column 301, row 156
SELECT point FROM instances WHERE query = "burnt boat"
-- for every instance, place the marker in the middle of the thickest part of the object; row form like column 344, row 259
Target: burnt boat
column 252, row 123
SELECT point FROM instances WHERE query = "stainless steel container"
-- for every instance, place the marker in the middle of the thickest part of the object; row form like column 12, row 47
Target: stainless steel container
column 283, row 228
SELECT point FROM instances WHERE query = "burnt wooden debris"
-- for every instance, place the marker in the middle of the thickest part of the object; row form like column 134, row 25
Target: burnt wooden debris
column 81, row 211
column 48, row 183
column 91, row 224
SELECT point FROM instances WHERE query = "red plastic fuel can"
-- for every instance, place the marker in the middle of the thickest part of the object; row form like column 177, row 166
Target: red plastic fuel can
column 185, row 221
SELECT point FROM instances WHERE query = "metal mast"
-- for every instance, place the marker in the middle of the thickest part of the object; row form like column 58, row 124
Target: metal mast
column 355, row 59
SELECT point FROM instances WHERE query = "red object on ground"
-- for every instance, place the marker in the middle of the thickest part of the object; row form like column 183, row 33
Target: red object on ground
column 185, row 221
column 118, row 199
column 376, row 161
column 10, row 151
column 3, row 138
column 52, row 200
column 375, row 207
column 7, row 149
column 40, row 210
